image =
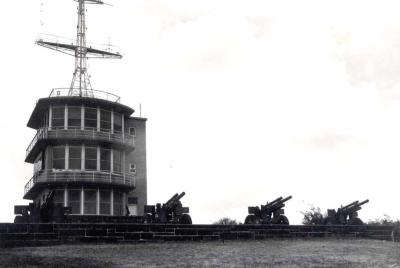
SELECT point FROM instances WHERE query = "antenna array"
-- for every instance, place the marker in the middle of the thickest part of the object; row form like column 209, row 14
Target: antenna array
column 80, row 85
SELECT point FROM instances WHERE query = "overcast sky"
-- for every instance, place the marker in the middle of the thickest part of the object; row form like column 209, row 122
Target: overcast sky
column 246, row 100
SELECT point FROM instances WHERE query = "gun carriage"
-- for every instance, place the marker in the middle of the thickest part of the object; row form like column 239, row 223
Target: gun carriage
column 170, row 212
column 345, row 215
column 44, row 213
column 271, row 213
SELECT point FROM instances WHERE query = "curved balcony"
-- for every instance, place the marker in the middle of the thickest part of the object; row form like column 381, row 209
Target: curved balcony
column 46, row 177
column 90, row 135
column 88, row 93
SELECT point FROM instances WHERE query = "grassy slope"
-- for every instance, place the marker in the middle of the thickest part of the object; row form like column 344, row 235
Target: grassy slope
column 268, row 253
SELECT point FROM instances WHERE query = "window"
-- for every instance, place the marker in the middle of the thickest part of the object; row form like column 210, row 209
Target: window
column 74, row 117
column 117, row 161
column 57, row 117
column 132, row 168
column 117, row 123
column 90, row 158
column 91, row 118
column 132, row 200
column 74, row 201
column 75, row 156
column 38, row 164
column 59, row 197
column 118, row 209
column 58, row 157
column 105, row 207
column 132, row 131
column 105, row 159
column 105, row 120
column 90, row 201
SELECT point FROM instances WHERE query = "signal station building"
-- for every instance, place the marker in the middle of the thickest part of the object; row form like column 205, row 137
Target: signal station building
column 91, row 151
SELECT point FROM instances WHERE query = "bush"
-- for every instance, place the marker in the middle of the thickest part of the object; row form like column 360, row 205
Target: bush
column 226, row 221
column 386, row 220
column 313, row 216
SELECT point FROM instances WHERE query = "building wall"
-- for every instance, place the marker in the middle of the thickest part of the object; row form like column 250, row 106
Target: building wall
column 138, row 157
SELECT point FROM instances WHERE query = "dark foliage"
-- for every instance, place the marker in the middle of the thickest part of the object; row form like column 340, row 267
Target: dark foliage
column 386, row 220
column 312, row 216
column 226, row 221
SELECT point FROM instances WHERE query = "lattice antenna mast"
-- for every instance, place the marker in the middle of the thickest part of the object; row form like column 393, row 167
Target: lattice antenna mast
column 80, row 85
column 80, row 79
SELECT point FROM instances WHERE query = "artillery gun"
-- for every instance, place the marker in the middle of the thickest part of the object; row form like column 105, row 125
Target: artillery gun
column 36, row 213
column 271, row 213
column 345, row 215
column 170, row 212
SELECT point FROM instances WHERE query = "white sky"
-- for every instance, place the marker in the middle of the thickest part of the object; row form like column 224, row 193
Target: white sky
column 246, row 100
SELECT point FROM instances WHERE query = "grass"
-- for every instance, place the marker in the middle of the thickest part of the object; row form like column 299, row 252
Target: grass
column 267, row 253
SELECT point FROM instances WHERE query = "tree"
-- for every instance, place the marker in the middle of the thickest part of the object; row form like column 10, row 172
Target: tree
column 226, row 221
column 312, row 216
column 386, row 220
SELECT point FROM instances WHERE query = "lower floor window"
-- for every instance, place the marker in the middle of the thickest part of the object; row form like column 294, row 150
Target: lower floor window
column 105, row 200
column 74, row 201
column 118, row 209
column 94, row 202
column 90, row 201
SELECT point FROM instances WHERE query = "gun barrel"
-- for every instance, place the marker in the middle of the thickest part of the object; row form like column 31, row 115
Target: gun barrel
column 171, row 199
column 277, row 204
column 286, row 199
column 363, row 202
column 348, row 206
column 275, row 201
column 180, row 196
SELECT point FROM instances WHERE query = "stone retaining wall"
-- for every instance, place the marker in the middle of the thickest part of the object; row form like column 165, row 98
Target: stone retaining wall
column 12, row 234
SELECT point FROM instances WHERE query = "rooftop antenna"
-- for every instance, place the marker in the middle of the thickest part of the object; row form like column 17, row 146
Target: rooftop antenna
column 80, row 85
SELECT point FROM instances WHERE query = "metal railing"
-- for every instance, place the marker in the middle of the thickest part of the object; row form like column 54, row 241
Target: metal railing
column 88, row 93
column 85, row 134
column 49, row 176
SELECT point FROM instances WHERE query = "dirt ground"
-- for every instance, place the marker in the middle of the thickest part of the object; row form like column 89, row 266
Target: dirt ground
column 267, row 253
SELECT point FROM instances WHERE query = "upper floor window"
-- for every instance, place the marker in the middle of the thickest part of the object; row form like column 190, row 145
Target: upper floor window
column 105, row 158
column 105, row 120
column 90, row 158
column 39, row 163
column 74, row 117
column 117, row 123
column 117, row 161
column 57, row 117
column 132, row 131
column 58, row 154
column 132, row 168
column 90, row 118
column 75, row 156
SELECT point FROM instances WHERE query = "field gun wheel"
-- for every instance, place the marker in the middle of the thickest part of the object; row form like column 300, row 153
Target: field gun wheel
column 185, row 219
column 329, row 221
column 282, row 220
column 355, row 221
column 20, row 219
column 148, row 218
column 251, row 219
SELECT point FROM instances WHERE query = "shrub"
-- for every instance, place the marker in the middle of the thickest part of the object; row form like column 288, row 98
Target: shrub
column 226, row 221
column 312, row 216
column 386, row 220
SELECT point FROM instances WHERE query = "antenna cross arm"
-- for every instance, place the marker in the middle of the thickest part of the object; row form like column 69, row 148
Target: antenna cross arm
column 92, row 1
column 71, row 49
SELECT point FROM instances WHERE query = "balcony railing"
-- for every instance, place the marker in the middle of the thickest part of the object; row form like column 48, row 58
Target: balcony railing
column 84, row 134
column 88, row 93
column 63, row 176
